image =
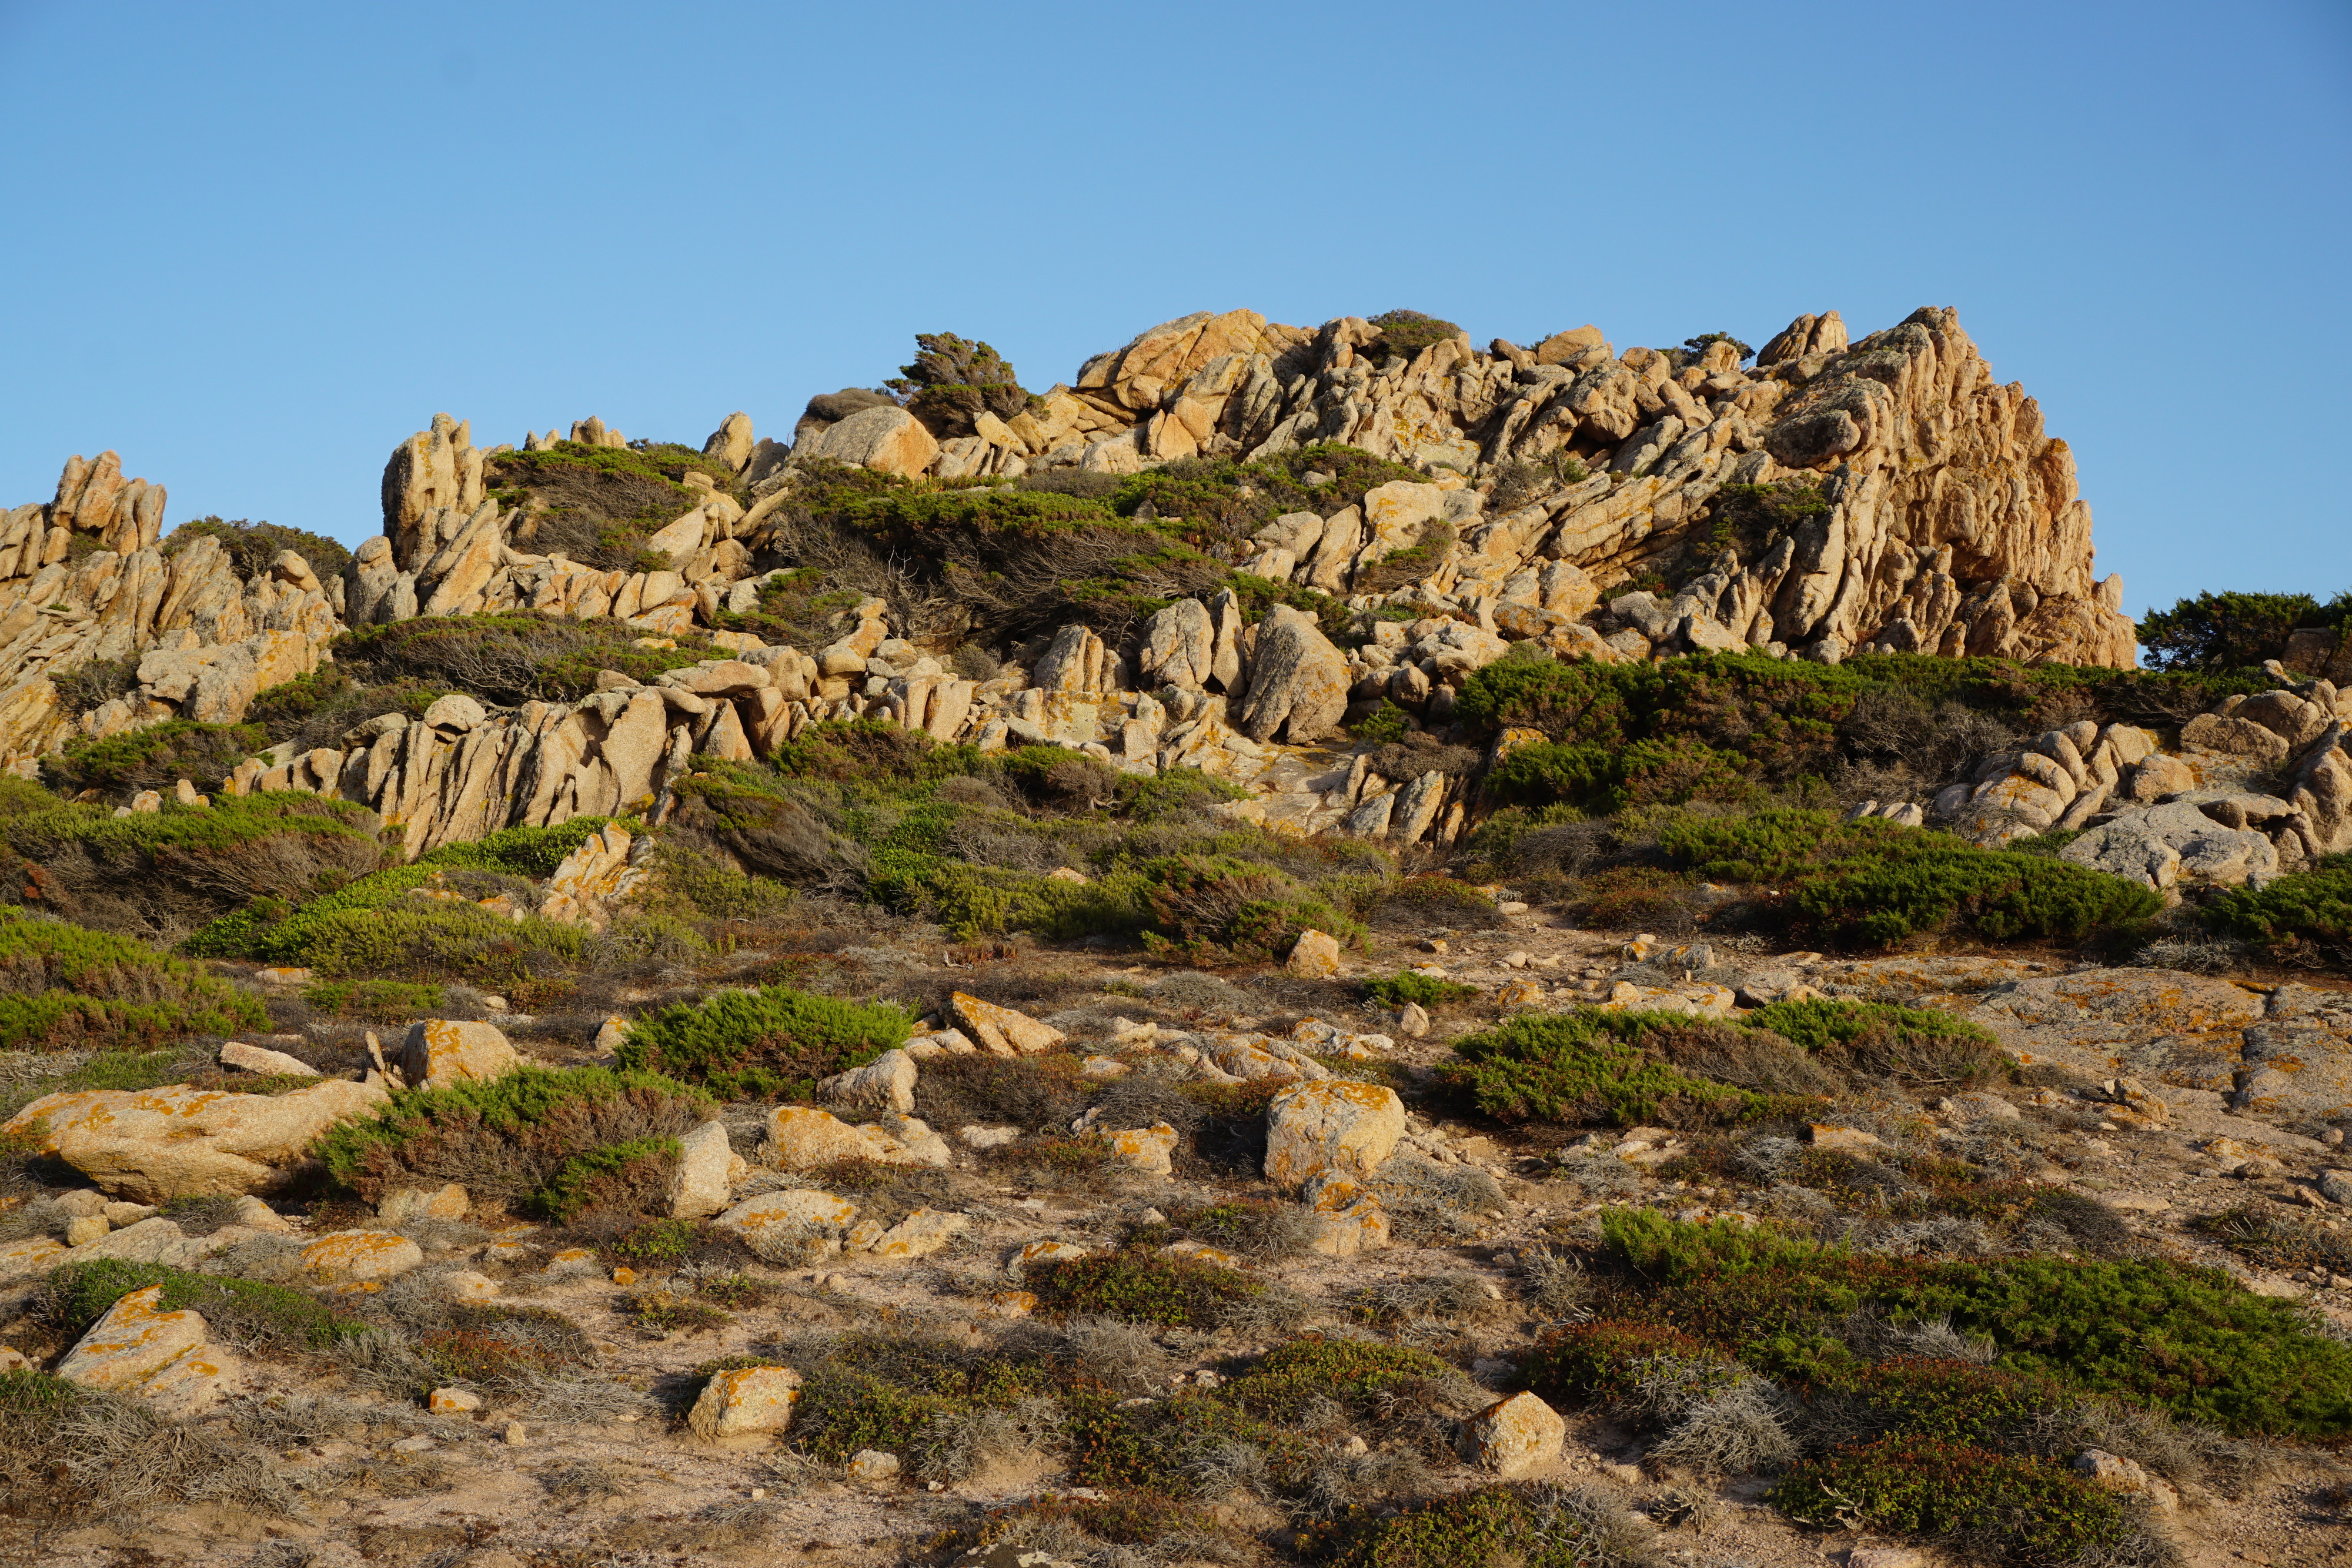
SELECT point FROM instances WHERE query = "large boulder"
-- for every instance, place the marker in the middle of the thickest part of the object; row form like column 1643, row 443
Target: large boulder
column 1515, row 1436
column 749, row 1403
column 1336, row 1126
column 889, row 439
column 885, row 1083
column 152, row 1145
column 137, row 1348
column 2171, row 843
column 1298, row 681
column 800, row 1138
column 1002, row 1031
column 438, row 1052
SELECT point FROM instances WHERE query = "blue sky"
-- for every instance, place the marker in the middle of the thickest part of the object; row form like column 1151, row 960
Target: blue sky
column 253, row 246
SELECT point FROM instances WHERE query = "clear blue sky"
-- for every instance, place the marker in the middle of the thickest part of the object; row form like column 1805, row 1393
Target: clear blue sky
column 253, row 246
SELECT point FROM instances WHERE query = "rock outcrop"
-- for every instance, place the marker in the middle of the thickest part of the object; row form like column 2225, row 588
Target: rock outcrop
column 1938, row 518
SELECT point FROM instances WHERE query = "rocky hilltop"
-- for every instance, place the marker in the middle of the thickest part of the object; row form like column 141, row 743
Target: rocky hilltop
column 1320, row 947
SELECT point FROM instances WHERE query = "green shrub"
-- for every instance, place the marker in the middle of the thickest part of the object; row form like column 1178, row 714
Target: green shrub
column 1945, row 1401
column 1356, row 1372
column 65, row 987
column 241, row 1312
column 955, row 380
column 549, row 1142
column 772, row 1043
column 2185, row 1340
column 2305, row 909
column 1143, row 1288
column 1214, row 909
column 1923, row 1045
column 377, row 1001
column 1594, row 1363
column 1873, row 882
column 2225, row 632
column 1406, row 333
column 155, row 758
column 1404, row 986
column 1661, row 772
column 1584, row 1065
column 373, row 924
column 253, row 547
column 2028, row 1508
column 1470, row 1529
column 507, row 659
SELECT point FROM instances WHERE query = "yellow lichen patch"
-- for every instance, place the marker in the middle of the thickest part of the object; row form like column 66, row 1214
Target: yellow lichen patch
column 360, row 1255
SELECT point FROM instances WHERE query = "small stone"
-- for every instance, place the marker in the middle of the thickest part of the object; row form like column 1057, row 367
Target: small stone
column 1510, row 906
column 1517, row 1435
column 1314, row 955
column 2336, row 1187
column 1412, row 1019
column 515, row 1435
column 1885, row 1557
column 872, row 1464
column 415, row 1445
column 87, row 1228
column 745, row 1403
column 451, row 1401
column 120, row 1213
column 1845, row 1139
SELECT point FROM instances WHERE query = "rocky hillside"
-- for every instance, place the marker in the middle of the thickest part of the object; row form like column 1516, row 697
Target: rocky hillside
column 1321, row 947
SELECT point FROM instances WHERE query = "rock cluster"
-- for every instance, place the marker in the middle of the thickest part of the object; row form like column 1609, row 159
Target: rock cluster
column 83, row 580
column 2202, row 813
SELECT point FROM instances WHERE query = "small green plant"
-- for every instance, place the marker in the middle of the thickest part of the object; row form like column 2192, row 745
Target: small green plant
column 263, row 1316
column 66, row 988
column 1143, row 1288
column 1404, row 986
column 379, row 1001
column 771, row 1043
column 1406, row 333
column 2308, row 911
column 2027, row 1508
column 1584, row 1065
column 660, row 1311
column 1874, row 883
column 549, row 1142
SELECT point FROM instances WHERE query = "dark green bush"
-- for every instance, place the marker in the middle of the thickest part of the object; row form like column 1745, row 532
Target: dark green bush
column 1871, row 881
column 155, row 758
column 377, row 1001
column 241, row 1312
column 2217, row 632
column 772, row 1043
column 1214, row 909
column 1469, row 1529
column 955, row 380
column 1584, row 1065
column 373, row 924
column 2029, row 1510
column 2303, row 910
column 548, row 1141
column 2189, row 1341
column 1406, row 332
column 1143, row 1288
column 1404, row 986
column 1923, row 1045
column 253, row 547
column 1611, row 778
column 65, row 987
column 506, row 659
